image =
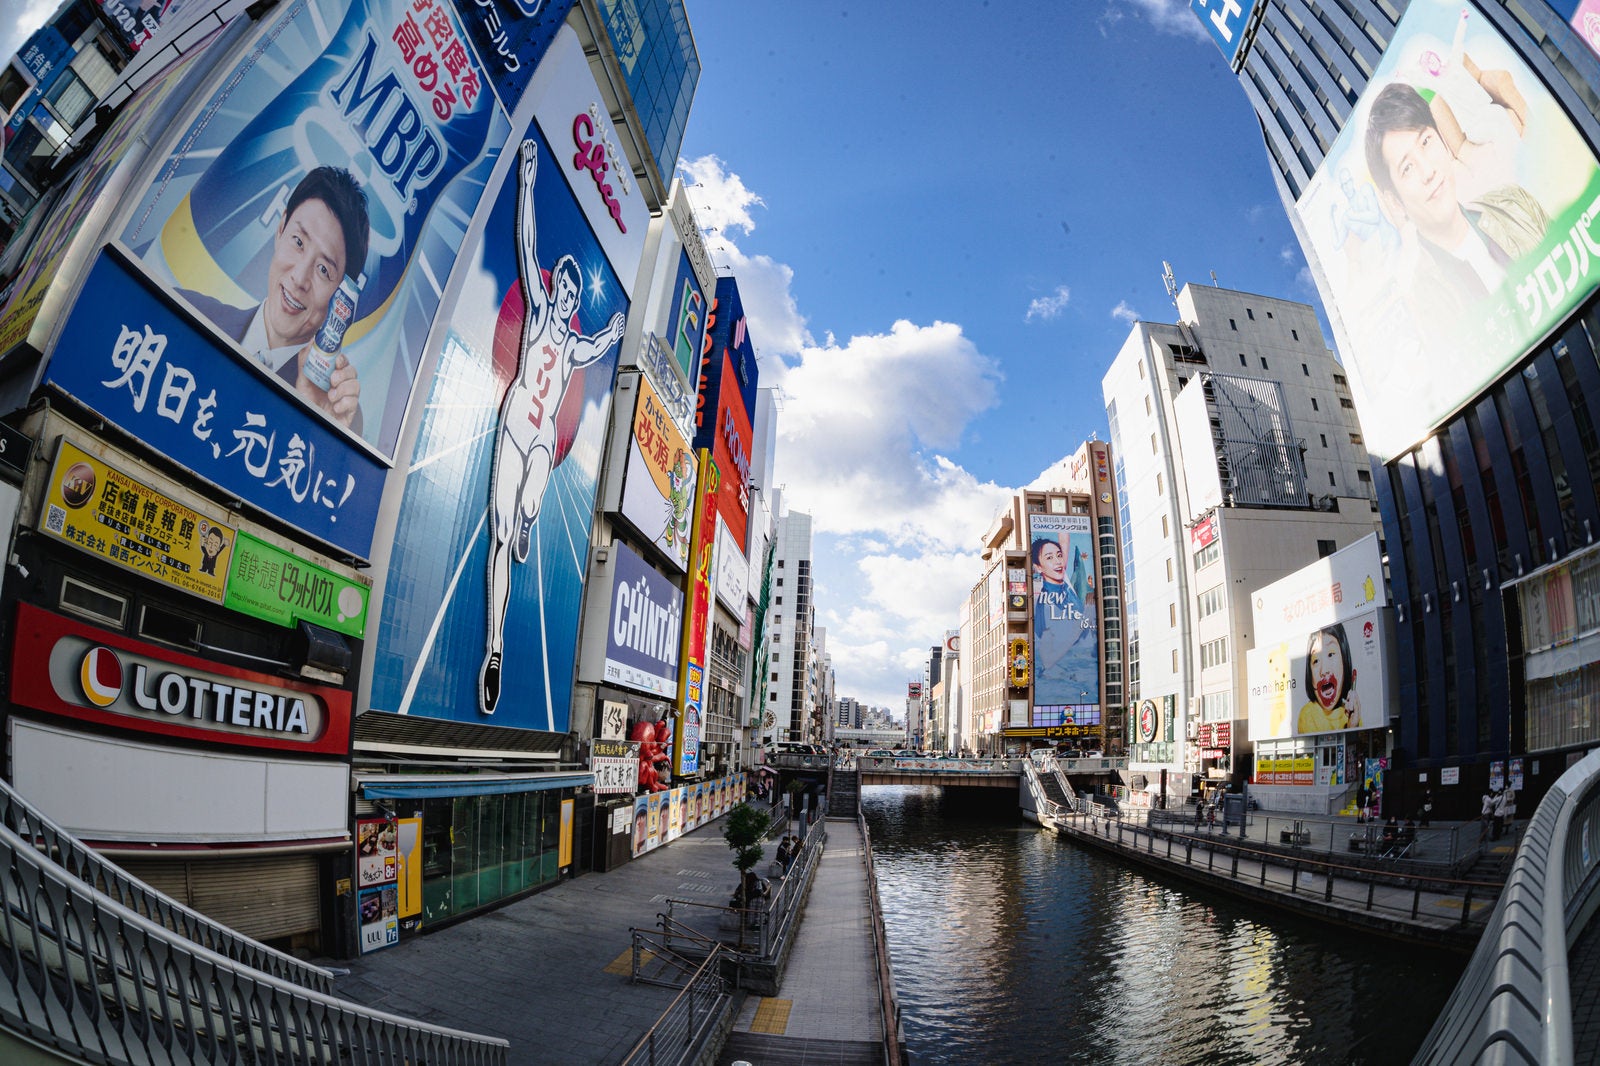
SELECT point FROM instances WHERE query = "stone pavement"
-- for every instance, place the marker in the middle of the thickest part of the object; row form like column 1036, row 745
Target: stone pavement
column 828, row 1009
column 549, row 972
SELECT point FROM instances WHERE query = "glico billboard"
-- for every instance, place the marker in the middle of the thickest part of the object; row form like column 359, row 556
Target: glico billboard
column 492, row 540
column 1452, row 221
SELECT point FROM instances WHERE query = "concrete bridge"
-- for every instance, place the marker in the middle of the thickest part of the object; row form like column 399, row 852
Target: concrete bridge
column 934, row 770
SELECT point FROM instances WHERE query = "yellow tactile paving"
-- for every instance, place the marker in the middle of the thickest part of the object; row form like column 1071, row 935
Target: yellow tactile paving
column 622, row 965
column 772, row 1016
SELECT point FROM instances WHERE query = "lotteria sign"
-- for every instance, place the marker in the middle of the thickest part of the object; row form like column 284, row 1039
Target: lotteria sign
column 83, row 673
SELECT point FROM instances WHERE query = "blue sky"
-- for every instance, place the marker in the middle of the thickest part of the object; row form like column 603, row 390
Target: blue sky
column 944, row 217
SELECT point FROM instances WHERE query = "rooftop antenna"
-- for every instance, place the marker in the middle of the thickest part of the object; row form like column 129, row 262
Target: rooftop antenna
column 1170, row 282
column 1215, row 284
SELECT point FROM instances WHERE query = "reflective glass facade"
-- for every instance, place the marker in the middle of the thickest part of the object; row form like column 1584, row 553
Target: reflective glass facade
column 659, row 61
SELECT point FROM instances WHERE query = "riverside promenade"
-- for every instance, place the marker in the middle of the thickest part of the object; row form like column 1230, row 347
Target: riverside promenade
column 1411, row 899
column 550, row 972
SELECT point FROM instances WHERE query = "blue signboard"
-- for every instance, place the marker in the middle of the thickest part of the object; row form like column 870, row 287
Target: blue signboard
column 730, row 334
column 44, row 56
column 132, row 358
column 1226, row 21
column 645, row 636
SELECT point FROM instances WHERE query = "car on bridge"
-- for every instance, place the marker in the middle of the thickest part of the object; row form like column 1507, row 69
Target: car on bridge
column 880, row 753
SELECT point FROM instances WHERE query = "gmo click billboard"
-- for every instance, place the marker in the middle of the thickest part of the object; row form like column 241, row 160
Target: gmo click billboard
column 1066, row 631
column 1451, row 220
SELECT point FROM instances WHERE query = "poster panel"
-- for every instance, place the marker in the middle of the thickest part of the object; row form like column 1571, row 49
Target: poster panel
column 313, row 209
column 1066, row 633
column 1330, row 680
column 1453, row 219
column 660, row 477
column 492, row 539
column 645, row 635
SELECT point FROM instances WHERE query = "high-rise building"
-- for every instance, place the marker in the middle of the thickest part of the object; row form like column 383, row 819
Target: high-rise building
column 1238, row 459
column 1469, row 325
column 791, row 666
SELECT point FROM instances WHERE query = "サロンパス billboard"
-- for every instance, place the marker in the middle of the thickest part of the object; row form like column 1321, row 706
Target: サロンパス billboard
column 1066, row 632
column 1453, row 221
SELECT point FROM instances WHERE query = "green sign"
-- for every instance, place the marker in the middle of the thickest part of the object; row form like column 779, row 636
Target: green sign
column 268, row 583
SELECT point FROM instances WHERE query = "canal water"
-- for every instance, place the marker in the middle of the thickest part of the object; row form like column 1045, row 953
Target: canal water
column 1012, row 946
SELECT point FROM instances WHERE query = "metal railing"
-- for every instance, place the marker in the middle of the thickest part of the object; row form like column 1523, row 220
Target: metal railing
column 682, row 1031
column 1339, row 884
column 893, row 1039
column 1044, row 806
column 758, row 931
column 1514, row 1002
column 77, row 859
column 1443, row 846
column 91, row 979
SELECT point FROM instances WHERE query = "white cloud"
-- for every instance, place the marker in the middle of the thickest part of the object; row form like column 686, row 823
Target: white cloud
column 1048, row 307
column 21, row 24
column 1167, row 16
column 866, row 430
column 1125, row 313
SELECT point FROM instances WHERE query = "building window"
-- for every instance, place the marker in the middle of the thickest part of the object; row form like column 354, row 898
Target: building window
column 1345, row 401
column 1338, row 379
column 1242, row 360
column 1306, row 370
column 1172, row 615
column 1264, row 363
column 1331, row 480
column 1364, row 475
column 1208, row 555
column 1169, row 569
column 1153, row 450
column 1214, row 653
column 1210, row 601
column 1233, row 325
column 1174, row 660
column 1314, row 406
column 1355, row 438
column 1251, row 315
column 780, row 582
column 1160, row 485
column 1141, row 370
column 1326, row 548
column 1147, row 405
column 1324, row 437
column 1165, row 530
column 1295, row 334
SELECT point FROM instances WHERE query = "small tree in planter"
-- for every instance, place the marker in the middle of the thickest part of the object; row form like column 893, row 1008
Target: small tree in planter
column 744, row 829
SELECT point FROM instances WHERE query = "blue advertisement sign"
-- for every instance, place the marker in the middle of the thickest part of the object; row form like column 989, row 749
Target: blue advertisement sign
column 142, row 365
column 688, row 319
column 1226, row 21
column 322, row 195
column 646, row 630
column 44, row 55
column 511, row 36
column 491, row 545
column 1066, row 632
column 730, row 335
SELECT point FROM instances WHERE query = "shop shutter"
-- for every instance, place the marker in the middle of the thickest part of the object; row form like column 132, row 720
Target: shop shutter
column 266, row 897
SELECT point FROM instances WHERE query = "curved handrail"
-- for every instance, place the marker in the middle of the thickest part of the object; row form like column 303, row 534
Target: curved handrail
column 880, row 950
column 1515, row 999
column 86, row 975
column 78, row 859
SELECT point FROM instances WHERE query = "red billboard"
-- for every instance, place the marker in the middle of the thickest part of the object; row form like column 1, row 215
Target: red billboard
column 731, row 449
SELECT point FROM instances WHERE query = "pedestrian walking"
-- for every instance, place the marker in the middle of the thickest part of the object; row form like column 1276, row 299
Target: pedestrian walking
column 1502, row 803
column 1427, row 807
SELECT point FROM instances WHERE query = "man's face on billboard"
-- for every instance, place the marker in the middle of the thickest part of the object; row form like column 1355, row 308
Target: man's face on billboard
column 307, row 266
column 1422, row 170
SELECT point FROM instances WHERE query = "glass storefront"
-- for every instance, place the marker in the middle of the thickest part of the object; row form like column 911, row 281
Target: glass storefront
column 478, row 850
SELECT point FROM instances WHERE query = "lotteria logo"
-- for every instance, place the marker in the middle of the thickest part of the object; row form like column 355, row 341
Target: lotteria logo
column 101, row 675
column 178, row 695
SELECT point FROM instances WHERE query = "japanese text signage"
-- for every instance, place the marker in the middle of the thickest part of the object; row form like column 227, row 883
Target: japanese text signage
column 659, row 483
column 377, row 878
column 105, row 512
column 269, row 583
column 136, row 361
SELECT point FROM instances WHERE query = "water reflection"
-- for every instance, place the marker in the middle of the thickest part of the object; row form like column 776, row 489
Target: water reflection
column 1011, row 946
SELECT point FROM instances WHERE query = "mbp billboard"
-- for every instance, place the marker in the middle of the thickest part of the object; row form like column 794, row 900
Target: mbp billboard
column 313, row 209
column 1319, row 661
column 1453, row 221
column 492, row 540
column 1066, row 633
